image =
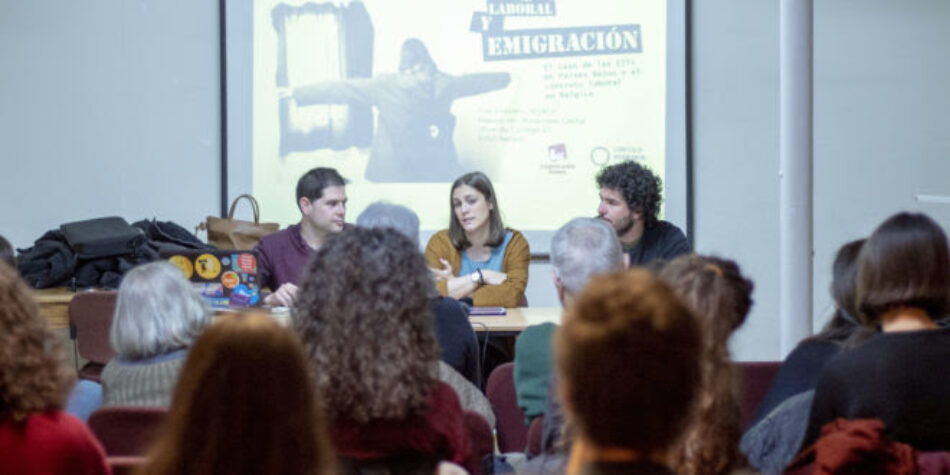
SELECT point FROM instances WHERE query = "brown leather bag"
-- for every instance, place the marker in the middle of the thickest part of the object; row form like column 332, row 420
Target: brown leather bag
column 230, row 233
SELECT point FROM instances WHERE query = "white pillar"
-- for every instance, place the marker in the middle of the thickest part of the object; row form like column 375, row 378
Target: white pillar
column 795, row 171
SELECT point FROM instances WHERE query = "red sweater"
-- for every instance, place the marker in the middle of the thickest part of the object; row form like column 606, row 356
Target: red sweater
column 50, row 443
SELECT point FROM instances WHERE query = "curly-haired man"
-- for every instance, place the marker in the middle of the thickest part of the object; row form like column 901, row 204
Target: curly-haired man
column 630, row 201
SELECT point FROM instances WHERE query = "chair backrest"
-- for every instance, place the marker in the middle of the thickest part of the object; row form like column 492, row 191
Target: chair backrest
column 90, row 314
column 482, row 442
column 406, row 463
column 933, row 462
column 511, row 428
column 535, row 434
column 125, row 465
column 126, row 431
column 756, row 377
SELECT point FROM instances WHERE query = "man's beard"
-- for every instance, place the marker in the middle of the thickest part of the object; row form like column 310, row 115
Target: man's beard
column 627, row 227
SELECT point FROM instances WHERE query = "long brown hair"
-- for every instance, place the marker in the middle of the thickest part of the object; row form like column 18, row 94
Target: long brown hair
column 844, row 288
column 244, row 403
column 720, row 297
column 496, row 230
column 34, row 376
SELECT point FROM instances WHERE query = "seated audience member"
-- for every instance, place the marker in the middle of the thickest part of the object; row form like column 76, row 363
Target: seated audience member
column 580, row 249
column 363, row 315
column 477, row 256
column 630, row 201
column 7, row 253
column 898, row 375
column 455, row 334
column 321, row 198
column 628, row 354
column 459, row 365
column 157, row 316
column 36, row 436
column 776, row 434
column 799, row 371
column 720, row 297
column 245, row 404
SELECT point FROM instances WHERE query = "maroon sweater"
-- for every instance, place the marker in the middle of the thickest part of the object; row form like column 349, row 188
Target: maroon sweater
column 439, row 430
column 282, row 257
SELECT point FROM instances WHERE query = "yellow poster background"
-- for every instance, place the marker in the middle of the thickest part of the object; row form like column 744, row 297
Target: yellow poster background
column 617, row 121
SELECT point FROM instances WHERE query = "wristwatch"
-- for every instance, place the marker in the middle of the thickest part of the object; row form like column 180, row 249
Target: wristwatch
column 476, row 277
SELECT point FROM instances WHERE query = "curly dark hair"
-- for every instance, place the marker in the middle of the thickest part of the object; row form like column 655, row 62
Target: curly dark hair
column 34, row 376
column 641, row 189
column 720, row 297
column 363, row 316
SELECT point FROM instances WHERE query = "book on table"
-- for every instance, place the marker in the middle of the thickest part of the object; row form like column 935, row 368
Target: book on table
column 487, row 311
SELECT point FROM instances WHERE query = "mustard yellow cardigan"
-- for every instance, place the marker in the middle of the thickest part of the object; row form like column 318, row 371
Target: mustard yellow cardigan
column 514, row 264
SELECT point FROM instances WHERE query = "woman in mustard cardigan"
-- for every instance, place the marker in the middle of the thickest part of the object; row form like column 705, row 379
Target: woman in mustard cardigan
column 477, row 256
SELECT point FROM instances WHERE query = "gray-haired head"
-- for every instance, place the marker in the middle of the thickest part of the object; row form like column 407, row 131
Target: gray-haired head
column 386, row 215
column 157, row 311
column 7, row 254
column 582, row 248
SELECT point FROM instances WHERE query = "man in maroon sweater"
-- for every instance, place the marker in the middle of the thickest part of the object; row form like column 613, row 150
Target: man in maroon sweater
column 321, row 197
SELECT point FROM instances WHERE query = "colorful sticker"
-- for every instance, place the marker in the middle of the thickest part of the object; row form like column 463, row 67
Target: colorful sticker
column 217, row 302
column 246, row 263
column 184, row 264
column 230, row 279
column 208, row 266
column 243, row 296
column 211, row 289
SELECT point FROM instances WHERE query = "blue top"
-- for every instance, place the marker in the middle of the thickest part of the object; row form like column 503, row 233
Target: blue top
column 494, row 261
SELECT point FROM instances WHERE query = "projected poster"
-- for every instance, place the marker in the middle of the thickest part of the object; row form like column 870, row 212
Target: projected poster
column 404, row 96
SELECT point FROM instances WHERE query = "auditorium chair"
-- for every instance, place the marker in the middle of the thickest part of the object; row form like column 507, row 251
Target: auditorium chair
column 534, row 436
column 90, row 319
column 125, row 465
column 482, row 442
column 126, row 431
column 510, row 426
column 756, row 377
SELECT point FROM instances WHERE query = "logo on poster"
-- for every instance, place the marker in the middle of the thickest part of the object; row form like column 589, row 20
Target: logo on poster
column 600, row 156
column 557, row 153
